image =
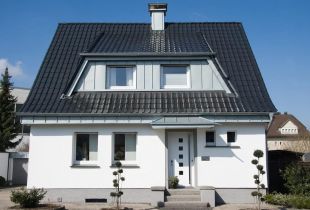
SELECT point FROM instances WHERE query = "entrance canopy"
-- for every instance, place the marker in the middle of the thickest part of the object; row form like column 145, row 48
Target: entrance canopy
column 182, row 122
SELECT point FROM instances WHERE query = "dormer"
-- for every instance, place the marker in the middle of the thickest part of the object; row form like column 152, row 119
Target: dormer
column 289, row 128
column 150, row 75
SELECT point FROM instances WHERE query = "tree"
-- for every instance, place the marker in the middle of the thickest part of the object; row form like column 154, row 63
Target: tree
column 258, row 177
column 117, row 184
column 8, row 125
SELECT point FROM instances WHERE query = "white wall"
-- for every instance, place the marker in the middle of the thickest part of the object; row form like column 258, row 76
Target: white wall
column 51, row 156
column 228, row 167
column 4, row 164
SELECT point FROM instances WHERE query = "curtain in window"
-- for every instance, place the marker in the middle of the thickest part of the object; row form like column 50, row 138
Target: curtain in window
column 130, row 147
column 93, row 146
column 129, row 76
column 174, row 76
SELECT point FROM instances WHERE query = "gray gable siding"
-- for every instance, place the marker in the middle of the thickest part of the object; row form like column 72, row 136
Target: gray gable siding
column 203, row 75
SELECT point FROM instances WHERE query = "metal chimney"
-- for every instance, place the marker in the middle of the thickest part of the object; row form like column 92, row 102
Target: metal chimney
column 158, row 13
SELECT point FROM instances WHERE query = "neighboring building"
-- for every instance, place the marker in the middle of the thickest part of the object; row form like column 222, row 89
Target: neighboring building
column 287, row 140
column 167, row 99
column 16, row 159
column 286, row 132
column 21, row 95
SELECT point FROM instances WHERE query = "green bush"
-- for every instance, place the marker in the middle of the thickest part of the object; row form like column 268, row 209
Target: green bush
column 297, row 179
column 173, row 182
column 27, row 198
column 295, row 201
column 2, row 181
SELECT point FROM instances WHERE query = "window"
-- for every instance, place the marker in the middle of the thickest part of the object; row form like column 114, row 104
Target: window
column 231, row 137
column 121, row 77
column 86, row 147
column 174, row 77
column 125, row 146
column 210, row 137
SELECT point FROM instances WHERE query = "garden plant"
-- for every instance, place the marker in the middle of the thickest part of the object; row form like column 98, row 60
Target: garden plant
column 117, row 184
column 258, row 177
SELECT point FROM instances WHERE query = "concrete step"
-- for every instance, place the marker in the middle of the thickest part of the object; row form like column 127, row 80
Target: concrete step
column 183, row 198
column 185, row 204
column 183, row 192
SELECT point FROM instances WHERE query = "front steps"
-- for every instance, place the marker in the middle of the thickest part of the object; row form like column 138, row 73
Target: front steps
column 184, row 199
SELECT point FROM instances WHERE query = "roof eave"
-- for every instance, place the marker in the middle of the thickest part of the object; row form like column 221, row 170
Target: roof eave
column 143, row 114
column 151, row 54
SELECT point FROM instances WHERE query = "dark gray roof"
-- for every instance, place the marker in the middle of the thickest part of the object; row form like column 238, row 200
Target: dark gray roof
column 227, row 40
column 167, row 41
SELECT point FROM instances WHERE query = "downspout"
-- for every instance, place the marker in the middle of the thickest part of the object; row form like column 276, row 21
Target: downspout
column 8, row 169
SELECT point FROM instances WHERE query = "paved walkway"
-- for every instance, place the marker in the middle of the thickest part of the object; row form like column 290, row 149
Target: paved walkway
column 5, row 198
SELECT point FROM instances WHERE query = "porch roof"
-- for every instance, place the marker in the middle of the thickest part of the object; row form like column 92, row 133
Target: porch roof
column 183, row 122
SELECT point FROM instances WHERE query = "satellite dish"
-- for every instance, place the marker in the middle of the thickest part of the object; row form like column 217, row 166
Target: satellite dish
column 306, row 157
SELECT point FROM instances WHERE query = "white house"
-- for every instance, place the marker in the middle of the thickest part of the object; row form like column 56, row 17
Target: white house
column 167, row 99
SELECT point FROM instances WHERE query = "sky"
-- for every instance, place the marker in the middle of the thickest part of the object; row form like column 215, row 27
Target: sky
column 278, row 31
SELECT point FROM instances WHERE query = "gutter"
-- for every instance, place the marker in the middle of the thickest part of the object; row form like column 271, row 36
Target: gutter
column 140, row 114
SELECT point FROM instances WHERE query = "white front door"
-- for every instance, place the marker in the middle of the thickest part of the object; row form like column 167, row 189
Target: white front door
column 179, row 156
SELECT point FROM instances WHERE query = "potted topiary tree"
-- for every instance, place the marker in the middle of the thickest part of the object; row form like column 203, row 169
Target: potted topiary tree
column 117, row 194
column 258, row 177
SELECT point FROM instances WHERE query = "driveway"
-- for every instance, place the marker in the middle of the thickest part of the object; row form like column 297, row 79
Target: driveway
column 5, row 197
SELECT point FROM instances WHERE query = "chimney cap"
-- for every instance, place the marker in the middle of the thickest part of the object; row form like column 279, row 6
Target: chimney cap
column 158, row 7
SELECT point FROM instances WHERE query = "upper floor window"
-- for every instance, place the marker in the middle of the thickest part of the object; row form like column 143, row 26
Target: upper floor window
column 174, row 77
column 121, row 77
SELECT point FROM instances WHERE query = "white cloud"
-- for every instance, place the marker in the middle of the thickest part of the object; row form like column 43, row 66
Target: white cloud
column 14, row 69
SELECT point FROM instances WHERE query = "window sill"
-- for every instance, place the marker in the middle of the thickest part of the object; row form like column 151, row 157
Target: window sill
column 126, row 166
column 227, row 146
column 85, row 166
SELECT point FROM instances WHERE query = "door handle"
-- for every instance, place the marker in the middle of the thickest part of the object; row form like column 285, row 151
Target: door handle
column 171, row 162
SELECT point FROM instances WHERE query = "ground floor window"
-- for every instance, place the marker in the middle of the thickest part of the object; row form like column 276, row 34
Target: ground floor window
column 125, row 146
column 210, row 137
column 231, row 136
column 86, row 146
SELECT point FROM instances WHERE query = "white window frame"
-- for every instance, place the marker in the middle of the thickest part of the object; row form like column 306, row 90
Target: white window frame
column 84, row 162
column 188, row 75
column 134, row 78
column 125, row 162
column 236, row 135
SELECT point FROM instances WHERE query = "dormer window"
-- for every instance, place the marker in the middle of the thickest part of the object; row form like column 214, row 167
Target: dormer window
column 121, row 77
column 172, row 77
column 289, row 128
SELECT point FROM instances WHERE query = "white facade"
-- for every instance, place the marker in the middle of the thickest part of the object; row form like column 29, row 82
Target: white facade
column 51, row 152
column 229, row 166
